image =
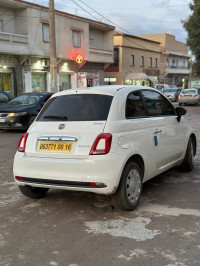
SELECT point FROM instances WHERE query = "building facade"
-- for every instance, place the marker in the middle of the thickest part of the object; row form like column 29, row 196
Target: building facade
column 84, row 48
column 176, row 69
column 137, row 61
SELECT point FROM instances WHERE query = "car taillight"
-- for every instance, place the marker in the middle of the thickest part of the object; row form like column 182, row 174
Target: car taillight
column 22, row 143
column 196, row 96
column 101, row 144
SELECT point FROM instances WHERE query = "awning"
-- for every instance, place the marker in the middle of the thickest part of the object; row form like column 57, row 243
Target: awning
column 135, row 76
column 153, row 79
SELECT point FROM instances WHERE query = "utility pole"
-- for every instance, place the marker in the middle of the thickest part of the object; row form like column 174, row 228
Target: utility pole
column 53, row 57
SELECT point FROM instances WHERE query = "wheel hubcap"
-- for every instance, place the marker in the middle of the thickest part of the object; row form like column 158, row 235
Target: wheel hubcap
column 133, row 185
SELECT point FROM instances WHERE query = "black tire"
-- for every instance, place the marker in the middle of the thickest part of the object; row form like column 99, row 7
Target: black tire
column 129, row 190
column 33, row 192
column 188, row 162
column 31, row 120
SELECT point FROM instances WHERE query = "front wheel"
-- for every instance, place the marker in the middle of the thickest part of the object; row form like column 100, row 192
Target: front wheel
column 188, row 162
column 33, row 192
column 130, row 188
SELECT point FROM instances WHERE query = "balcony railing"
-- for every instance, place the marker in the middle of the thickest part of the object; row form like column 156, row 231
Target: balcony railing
column 101, row 55
column 176, row 67
column 13, row 38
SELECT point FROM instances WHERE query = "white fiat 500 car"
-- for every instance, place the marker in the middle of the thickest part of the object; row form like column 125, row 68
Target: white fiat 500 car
column 106, row 140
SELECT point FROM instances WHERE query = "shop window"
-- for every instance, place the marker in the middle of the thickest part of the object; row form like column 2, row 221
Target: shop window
column 132, row 60
column 45, row 32
column 1, row 25
column 76, row 37
column 150, row 61
column 39, row 82
column 64, row 81
column 156, row 62
column 142, row 61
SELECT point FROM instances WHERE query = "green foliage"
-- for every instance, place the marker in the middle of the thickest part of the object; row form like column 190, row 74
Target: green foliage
column 192, row 26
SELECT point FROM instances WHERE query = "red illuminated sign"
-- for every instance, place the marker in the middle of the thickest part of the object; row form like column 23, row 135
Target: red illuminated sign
column 79, row 59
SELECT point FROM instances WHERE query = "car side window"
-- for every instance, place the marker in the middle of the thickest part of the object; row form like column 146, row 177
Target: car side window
column 134, row 106
column 3, row 98
column 157, row 104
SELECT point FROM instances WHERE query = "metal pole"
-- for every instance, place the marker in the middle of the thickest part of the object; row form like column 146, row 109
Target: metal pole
column 190, row 76
column 53, row 57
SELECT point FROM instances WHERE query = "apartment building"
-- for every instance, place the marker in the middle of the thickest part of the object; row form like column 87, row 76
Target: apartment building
column 137, row 61
column 175, row 69
column 84, row 48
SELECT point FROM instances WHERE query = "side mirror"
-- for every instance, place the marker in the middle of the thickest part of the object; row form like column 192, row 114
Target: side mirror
column 180, row 111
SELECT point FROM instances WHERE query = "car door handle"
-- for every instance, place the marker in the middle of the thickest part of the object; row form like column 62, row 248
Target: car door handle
column 157, row 131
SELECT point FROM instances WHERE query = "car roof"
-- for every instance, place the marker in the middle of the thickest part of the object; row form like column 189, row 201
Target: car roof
column 104, row 89
column 37, row 93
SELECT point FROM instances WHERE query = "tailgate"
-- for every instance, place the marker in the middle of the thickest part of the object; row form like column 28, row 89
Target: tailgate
column 74, row 140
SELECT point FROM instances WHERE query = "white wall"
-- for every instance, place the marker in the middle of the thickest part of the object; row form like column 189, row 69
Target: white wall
column 8, row 17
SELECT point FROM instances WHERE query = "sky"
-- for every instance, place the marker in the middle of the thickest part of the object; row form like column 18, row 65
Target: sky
column 132, row 16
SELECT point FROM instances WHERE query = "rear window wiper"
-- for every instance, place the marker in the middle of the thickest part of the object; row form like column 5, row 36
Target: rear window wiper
column 56, row 117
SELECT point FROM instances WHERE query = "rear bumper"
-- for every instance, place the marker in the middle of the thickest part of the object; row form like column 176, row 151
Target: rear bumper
column 188, row 100
column 12, row 126
column 70, row 174
column 172, row 98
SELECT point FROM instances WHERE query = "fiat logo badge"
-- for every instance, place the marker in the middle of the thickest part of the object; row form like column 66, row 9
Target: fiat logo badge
column 61, row 126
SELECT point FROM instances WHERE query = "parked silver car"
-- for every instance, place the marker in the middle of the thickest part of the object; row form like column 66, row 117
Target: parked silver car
column 189, row 96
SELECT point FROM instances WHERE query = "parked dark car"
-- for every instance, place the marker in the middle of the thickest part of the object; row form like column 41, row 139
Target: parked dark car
column 22, row 111
column 5, row 97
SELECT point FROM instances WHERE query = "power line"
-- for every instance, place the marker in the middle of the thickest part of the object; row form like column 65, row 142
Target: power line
column 116, row 26
column 85, row 10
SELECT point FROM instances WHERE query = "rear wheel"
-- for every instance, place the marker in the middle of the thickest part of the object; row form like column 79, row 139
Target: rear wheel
column 130, row 188
column 33, row 192
column 188, row 162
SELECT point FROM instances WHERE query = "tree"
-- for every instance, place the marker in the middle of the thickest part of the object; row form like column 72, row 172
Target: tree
column 192, row 26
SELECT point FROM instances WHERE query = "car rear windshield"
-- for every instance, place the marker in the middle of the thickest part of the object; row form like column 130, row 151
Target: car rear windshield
column 171, row 90
column 189, row 92
column 76, row 107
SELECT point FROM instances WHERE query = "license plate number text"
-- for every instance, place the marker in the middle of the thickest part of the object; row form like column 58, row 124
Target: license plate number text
column 55, row 146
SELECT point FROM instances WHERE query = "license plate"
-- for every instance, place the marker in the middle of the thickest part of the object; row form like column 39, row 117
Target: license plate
column 55, row 146
column 2, row 120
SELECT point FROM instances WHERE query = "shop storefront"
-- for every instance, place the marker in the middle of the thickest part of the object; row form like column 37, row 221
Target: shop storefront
column 140, row 79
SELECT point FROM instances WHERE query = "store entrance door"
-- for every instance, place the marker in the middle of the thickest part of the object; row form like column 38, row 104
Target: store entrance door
column 5, row 81
column 89, row 82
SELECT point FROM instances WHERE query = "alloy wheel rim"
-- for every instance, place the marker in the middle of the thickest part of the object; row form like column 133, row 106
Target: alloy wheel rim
column 133, row 186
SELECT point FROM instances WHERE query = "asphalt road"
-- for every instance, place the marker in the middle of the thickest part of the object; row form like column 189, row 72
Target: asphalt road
column 83, row 229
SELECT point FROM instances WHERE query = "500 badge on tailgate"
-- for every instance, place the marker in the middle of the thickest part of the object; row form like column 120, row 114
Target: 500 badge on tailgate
column 55, row 146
